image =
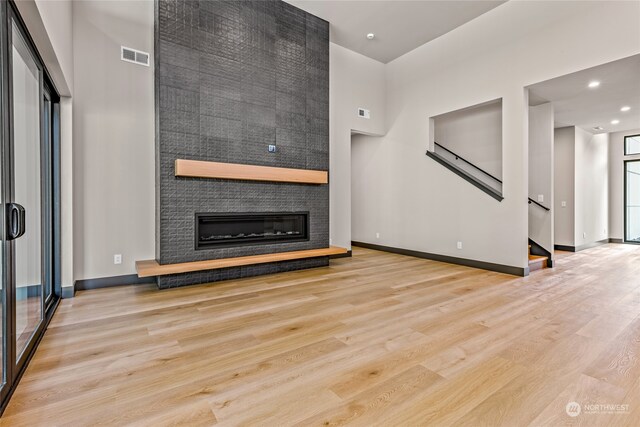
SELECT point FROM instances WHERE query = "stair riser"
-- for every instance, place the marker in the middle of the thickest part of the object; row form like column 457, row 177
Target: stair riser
column 538, row 265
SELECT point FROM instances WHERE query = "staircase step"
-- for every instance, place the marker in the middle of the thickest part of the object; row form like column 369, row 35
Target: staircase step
column 537, row 262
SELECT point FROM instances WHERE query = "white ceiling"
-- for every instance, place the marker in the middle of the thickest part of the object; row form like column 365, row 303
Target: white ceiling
column 399, row 25
column 577, row 105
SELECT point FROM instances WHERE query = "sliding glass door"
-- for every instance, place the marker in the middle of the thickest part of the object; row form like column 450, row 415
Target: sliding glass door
column 632, row 201
column 27, row 170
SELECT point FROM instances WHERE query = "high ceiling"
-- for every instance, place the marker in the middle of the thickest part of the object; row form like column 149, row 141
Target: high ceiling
column 399, row 25
column 575, row 104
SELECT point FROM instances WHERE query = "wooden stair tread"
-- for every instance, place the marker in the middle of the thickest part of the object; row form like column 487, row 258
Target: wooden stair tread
column 150, row 268
column 537, row 262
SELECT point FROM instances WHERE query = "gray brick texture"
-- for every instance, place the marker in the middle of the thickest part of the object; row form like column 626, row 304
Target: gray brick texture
column 231, row 78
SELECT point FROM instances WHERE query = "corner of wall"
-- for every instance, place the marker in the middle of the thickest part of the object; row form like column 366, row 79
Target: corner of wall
column 356, row 81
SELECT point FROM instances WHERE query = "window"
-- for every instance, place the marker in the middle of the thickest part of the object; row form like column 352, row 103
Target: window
column 631, row 145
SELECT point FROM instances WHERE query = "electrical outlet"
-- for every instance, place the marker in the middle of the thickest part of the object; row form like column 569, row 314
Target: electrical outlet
column 459, row 245
column 563, row 204
column 540, row 198
column 377, row 235
column 584, row 235
column 117, row 259
column 272, row 148
column 363, row 113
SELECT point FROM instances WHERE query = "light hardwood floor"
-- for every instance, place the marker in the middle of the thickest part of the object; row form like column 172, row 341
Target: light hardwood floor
column 378, row 339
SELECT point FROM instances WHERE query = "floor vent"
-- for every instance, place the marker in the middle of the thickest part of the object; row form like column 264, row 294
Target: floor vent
column 135, row 56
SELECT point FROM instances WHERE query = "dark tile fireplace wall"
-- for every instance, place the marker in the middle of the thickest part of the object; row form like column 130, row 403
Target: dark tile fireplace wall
column 231, row 78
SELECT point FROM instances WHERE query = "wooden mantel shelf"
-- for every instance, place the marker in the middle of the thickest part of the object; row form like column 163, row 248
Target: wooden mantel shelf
column 202, row 169
column 150, row 268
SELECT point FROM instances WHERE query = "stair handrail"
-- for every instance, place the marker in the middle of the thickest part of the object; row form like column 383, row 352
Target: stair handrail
column 536, row 203
column 458, row 157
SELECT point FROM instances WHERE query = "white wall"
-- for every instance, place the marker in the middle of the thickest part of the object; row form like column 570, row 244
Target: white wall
column 66, row 192
column 592, row 187
column 364, row 152
column 425, row 207
column 582, row 180
column 373, row 178
column 113, row 128
column 354, row 81
column 616, row 181
column 564, row 186
column 475, row 134
column 541, row 173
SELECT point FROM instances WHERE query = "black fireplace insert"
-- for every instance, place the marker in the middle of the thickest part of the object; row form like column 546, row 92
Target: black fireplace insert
column 214, row 230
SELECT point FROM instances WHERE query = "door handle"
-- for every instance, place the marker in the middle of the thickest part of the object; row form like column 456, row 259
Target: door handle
column 16, row 219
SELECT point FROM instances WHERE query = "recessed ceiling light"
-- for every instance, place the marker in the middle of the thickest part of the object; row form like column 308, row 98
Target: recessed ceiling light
column 598, row 128
column 593, row 84
column 371, row 36
column 615, row 122
column 625, row 108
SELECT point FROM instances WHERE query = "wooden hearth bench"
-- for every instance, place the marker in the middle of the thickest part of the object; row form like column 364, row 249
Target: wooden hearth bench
column 150, row 268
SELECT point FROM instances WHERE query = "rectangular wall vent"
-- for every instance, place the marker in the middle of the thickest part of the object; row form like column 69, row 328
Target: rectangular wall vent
column 135, row 56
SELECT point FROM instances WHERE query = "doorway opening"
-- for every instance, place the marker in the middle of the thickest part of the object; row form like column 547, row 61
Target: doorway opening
column 632, row 200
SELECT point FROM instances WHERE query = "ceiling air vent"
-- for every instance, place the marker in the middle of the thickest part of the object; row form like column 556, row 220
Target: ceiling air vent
column 135, row 56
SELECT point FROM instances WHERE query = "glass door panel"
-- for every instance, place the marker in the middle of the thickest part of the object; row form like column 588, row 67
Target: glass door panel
column 26, row 104
column 632, row 201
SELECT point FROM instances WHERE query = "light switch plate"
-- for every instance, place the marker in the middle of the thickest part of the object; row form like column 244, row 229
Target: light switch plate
column 540, row 198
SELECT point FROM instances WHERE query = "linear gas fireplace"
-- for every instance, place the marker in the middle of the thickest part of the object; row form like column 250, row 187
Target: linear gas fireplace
column 214, row 230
